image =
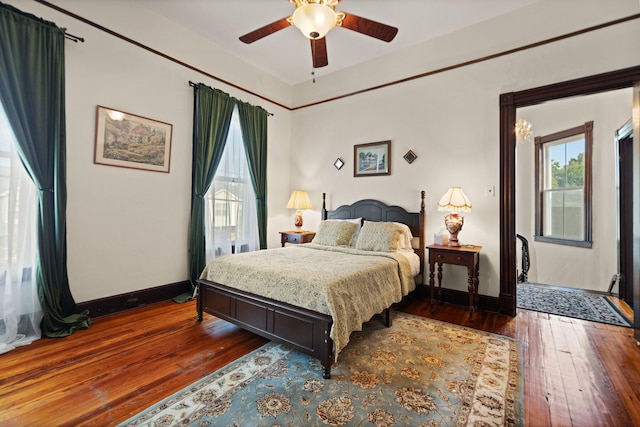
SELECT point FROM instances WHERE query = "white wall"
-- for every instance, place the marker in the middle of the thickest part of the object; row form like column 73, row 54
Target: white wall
column 542, row 20
column 586, row 268
column 127, row 228
column 450, row 120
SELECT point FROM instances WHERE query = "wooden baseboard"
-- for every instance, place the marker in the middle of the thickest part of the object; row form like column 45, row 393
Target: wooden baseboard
column 116, row 303
column 485, row 303
column 461, row 298
column 507, row 304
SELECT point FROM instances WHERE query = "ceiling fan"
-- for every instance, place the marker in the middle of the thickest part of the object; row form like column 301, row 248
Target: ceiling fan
column 314, row 18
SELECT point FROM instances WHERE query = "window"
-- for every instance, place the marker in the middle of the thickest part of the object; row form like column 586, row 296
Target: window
column 20, row 312
column 231, row 223
column 563, row 186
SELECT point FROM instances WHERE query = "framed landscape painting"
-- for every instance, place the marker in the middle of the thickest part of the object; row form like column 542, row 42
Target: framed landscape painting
column 372, row 159
column 131, row 141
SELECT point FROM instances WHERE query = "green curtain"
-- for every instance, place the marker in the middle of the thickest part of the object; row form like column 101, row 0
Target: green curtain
column 253, row 122
column 212, row 120
column 33, row 94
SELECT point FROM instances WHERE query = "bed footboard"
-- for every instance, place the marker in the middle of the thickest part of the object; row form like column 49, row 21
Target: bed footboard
column 304, row 330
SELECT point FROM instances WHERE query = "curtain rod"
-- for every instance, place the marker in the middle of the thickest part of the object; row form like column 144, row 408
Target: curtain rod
column 192, row 84
column 73, row 38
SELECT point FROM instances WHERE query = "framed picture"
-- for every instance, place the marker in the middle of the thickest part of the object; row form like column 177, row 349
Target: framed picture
column 372, row 159
column 131, row 141
column 410, row 156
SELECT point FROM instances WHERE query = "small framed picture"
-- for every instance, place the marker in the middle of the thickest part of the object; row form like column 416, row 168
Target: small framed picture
column 372, row 159
column 338, row 163
column 410, row 156
column 131, row 141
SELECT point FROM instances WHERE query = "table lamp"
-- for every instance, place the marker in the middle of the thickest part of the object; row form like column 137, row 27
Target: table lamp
column 299, row 200
column 454, row 201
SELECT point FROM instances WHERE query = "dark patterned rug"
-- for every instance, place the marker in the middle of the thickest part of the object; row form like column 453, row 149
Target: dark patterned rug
column 579, row 305
column 418, row 372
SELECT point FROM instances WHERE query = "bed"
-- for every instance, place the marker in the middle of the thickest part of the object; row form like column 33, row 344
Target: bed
column 274, row 293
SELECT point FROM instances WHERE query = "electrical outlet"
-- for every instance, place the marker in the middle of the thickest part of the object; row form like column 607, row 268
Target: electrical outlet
column 490, row 191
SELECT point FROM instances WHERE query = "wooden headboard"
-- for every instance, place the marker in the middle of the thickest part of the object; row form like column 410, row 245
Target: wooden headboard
column 375, row 210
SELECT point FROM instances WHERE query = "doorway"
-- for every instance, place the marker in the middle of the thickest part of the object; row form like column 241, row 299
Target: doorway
column 624, row 138
column 579, row 248
column 509, row 103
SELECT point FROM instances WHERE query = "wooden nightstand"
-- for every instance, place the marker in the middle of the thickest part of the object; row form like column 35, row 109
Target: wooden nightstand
column 296, row 237
column 465, row 255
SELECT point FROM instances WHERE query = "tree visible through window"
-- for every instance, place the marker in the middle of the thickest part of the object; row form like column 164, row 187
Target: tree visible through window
column 563, row 186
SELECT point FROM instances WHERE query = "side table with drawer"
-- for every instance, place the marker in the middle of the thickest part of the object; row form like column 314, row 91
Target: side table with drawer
column 465, row 255
column 296, row 237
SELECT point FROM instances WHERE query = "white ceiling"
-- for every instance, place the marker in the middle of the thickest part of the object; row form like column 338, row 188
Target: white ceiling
column 286, row 54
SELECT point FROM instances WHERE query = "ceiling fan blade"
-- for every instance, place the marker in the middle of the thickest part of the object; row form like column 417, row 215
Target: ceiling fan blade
column 319, row 52
column 370, row 28
column 265, row 31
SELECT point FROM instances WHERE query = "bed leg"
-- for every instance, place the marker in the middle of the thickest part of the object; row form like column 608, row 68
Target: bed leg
column 326, row 372
column 199, row 309
column 386, row 314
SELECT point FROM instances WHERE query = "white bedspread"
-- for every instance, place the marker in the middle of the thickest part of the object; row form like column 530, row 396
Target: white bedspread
column 348, row 284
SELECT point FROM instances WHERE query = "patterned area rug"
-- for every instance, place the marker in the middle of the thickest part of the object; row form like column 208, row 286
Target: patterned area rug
column 419, row 372
column 579, row 305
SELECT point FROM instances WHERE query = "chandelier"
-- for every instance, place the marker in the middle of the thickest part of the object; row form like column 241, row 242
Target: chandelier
column 523, row 131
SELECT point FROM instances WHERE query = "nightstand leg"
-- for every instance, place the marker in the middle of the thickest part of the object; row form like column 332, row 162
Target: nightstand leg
column 476, row 281
column 431, row 285
column 472, row 296
column 439, row 283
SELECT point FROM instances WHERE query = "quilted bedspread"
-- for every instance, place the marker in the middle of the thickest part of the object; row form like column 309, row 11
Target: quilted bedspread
column 348, row 284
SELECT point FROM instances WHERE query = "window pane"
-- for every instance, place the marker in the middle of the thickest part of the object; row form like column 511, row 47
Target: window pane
column 554, row 156
column 552, row 216
column 574, row 169
column 564, row 214
column 564, row 163
column 574, row 214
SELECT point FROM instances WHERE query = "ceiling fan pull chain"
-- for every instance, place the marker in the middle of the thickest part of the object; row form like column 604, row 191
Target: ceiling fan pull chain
column 313, row 55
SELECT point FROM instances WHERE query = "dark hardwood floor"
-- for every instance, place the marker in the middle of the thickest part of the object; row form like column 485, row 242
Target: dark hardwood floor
column 576, row 372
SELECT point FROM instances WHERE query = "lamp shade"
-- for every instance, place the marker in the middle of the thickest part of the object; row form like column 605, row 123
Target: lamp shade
column 314, row 20
column 299, row 200
column 454, row 200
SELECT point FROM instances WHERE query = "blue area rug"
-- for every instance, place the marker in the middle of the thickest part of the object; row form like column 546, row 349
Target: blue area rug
column 419, row 372
column 579, row 305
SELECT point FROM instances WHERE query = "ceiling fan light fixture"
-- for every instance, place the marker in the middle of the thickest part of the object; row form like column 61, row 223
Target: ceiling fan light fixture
column 314, row 20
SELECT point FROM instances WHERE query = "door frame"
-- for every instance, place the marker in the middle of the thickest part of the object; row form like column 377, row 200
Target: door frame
column 624, row 142
column 509, row 103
